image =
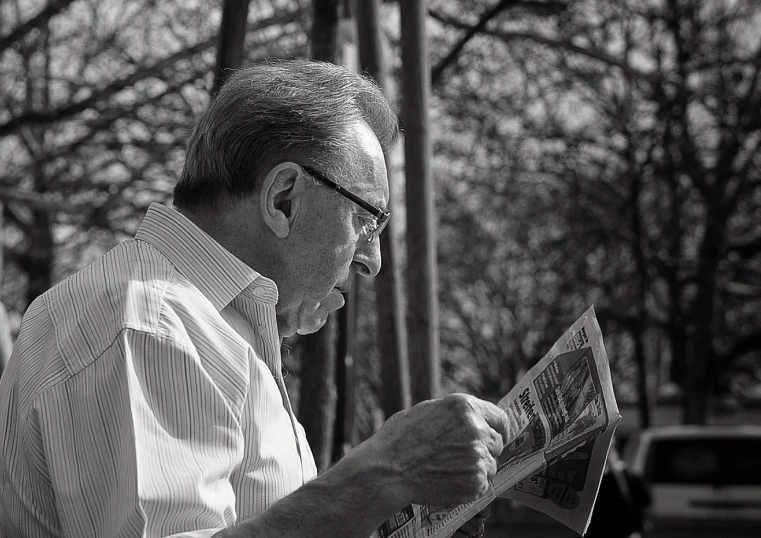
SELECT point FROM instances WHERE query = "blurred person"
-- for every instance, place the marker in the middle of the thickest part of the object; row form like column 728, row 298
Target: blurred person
column 145, row 398
column 619, row 510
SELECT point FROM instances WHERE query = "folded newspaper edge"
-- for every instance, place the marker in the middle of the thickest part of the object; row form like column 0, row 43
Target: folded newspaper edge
column 563, row 414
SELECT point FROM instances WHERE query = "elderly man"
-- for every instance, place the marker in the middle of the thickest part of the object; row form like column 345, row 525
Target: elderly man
column 145, row 396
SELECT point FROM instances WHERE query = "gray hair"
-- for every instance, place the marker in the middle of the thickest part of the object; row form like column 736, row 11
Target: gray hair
column 275, row 111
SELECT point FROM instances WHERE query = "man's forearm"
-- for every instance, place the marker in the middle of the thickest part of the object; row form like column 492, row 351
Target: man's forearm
column 438, row 452
column 351, row 499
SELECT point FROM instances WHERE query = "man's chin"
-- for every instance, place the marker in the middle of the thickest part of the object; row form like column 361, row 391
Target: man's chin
column 313, row 325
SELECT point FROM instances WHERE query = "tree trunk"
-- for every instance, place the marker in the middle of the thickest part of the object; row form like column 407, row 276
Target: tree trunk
column 324, row 36
column 675, row 330
column 40, row 255
column 345, row 430
column 642, row 283
column 38, row 263
column 699, row 385
column 344, row 437
column 422, row 275
column 392, row 336
column 232, row 36
column 317, row 398
column 6, row 342
column 640, row 358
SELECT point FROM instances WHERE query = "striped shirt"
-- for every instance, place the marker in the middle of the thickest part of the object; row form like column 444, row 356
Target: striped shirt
column 144, row 397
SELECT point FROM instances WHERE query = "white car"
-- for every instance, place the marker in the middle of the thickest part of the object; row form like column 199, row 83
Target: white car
column 703, row 480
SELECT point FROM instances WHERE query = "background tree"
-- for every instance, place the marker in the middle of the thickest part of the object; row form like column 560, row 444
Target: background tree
column 638, row 124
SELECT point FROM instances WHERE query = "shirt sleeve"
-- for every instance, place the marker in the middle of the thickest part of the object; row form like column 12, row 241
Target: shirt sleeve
column 139, row 443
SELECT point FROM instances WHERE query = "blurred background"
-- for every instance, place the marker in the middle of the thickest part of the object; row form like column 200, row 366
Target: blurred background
column 569, row 153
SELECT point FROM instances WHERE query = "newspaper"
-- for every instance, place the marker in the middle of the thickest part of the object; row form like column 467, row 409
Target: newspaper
column 562, row 417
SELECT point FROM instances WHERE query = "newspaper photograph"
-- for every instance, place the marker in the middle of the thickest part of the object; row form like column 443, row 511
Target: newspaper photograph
column 562, row 415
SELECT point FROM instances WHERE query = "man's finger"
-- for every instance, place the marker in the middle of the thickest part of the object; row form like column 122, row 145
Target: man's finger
column 495, row 417
column 495, row 444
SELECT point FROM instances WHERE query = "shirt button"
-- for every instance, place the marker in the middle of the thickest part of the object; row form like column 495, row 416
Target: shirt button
column 259, row 292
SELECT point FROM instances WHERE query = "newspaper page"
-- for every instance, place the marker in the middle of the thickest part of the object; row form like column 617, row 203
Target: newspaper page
column 562, row 417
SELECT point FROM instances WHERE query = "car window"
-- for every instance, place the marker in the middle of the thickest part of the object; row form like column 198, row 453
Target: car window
column 716, row 461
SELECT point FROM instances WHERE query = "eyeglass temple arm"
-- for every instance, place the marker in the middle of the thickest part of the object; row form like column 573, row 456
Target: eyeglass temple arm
column 376, row 211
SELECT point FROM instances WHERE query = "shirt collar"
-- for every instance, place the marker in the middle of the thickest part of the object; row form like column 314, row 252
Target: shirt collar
column 216, row 272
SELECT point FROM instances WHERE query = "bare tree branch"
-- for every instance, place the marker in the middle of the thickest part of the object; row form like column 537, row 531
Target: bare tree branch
column 36, row 200
column 450, row 58
column 747, row 248
column 38, row 21
column 745, row 344
column 98, row 97
column 101, row 124
column 563, row 44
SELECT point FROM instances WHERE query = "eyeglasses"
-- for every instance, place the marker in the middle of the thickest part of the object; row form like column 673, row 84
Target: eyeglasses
column 380, row 217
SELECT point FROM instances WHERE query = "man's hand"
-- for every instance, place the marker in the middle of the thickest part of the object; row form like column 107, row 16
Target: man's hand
column 443, row 452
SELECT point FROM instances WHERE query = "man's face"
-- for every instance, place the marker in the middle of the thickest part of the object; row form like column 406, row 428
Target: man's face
column 331, row 249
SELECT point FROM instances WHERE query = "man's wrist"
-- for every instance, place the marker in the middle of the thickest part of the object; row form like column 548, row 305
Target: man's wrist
column 382, row 479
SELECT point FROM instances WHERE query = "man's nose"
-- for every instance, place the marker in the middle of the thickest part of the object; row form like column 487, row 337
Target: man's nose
column 367, row 258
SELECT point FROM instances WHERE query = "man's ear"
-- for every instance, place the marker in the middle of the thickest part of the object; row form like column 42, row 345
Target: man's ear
column 281, row 197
